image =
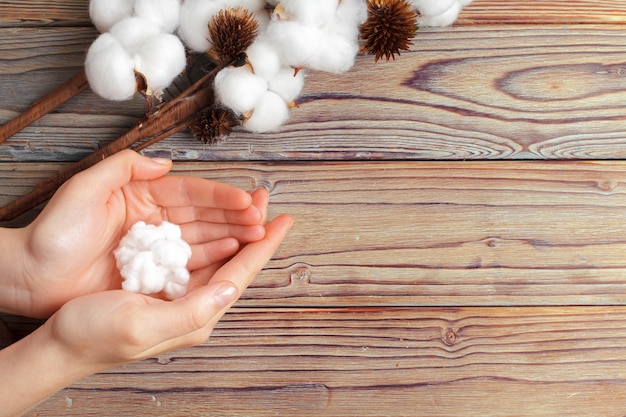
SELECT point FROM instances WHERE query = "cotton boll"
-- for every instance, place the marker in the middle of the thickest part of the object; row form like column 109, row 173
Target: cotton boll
column 269, row 114
column 194, row 20
column 287, row 84
column 264, row 58
column 433, row 7
column 252, row 5
column 110, row 69
column 171, row 253
column 133, row 32
column 165, row 14
column 105, row 13
column 317, row 13
column 350, row 15
column 239, row 89
column 295, row 43
column 336, row 56
column 445, row 19
column 161, row 59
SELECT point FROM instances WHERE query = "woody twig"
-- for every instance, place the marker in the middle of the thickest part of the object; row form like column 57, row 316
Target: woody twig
column 171, row 117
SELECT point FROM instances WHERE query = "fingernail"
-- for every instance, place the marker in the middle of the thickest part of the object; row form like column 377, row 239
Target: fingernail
column 225, row 294
column 161, row 161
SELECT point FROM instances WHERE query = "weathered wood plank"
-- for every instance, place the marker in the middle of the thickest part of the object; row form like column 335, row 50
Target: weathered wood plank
column 375, row 362
column 463, row 93
column 75, row 12
column 431, row 233
column 543, row 11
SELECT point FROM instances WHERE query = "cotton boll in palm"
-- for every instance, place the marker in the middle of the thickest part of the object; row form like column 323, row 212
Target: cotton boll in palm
column 194, row 20
column 165, row 14
column 110, row 69
column 171, row 253
column 264, row 58
column 105, row 13
column 239, row 89
column 270, row 113
column 433, row 7
column 161, row 59
column 133, row 32
column 287, row 84
column 173, row 290
column 445, row 19
column 143, row 275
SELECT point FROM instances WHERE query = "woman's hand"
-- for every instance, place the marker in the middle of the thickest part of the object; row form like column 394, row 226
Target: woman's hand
column 67, row 251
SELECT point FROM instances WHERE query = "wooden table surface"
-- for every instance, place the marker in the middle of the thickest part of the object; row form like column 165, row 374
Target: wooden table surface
column 459, row 245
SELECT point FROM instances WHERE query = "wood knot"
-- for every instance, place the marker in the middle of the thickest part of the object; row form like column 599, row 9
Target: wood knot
column 301, row 273
column 449, row 337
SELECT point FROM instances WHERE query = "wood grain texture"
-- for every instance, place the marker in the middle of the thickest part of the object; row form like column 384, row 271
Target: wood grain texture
column 377, row 362
column 531, row 92
column 432, row 233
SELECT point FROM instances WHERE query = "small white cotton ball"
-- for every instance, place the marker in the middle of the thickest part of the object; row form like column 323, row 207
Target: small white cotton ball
column 160, row 60
column 195, row 16
column 165, row 14
column 172, row 254
column 336, row 56
column 445, row 19
column 264, row 58
column 105, row 13
column 296, row 44
column 148, row 270
column 170, row 231
column 110, row 69
column 431, row 7
column 318, row 13
column 174, row 291
column 133, row 32
column 287, row 83
column 239, row 89
column 269, row 114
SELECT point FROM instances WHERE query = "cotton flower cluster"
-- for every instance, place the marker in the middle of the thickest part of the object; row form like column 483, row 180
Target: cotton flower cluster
column 439, row 12
column 295, row 36
column 153, row 258
column 137, row 40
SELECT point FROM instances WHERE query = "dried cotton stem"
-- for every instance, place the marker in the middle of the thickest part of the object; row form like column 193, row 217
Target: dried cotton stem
column 173, row 116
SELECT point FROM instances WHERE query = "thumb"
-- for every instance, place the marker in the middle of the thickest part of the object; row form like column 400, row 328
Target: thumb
column 117, row 170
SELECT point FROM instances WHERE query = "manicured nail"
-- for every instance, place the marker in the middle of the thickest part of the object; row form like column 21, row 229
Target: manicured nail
column 225, row 294
column 161, row 161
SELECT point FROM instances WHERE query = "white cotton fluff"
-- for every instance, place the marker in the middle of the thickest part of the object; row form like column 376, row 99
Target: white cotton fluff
column 264, row 58
column 287, row 84
column 252, row 5
column 194, row 19
column 110, row 69
column 317, row 13
column 165, row 14
column 160, row 60
column 153, row 258
column 133, row 32
column 106, row 13
column 239, row 89
column 439, row 13
column 269, row 114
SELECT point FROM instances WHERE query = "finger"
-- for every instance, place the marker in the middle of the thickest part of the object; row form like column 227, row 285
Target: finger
column 114, row 172
column 248, row 216
column 209, row 253
column 244, row 266
column 200, row 232
column 188, row 319
column 176, row 191
column 260, row 199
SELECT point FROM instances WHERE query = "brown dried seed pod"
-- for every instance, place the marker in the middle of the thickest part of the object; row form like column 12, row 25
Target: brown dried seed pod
column 214, row 125
column 389, row 28
column 231, row 32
